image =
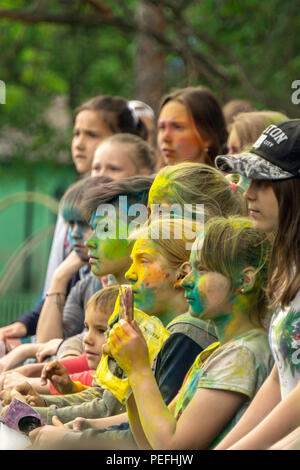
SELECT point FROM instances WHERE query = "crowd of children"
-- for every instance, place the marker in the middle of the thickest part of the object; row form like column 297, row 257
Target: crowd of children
column 203, row 222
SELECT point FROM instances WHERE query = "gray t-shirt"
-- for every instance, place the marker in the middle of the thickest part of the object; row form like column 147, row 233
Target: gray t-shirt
column 74, row 309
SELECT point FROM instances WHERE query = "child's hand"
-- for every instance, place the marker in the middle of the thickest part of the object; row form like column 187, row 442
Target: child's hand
column 47, row 436
column 11, row 379
column 79, row 424
column 48, row 349
column 69, row 266
column 23, row 392
column 4, row 410
column 128, row 347
column 58, row 376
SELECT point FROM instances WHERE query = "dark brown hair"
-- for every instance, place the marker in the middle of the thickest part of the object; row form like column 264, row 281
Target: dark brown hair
column 73, row 195
column 116, row 113
column 284, row 270
column 136, row 188
column 207, row 115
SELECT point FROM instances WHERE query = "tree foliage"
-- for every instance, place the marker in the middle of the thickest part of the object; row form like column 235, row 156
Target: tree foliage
column 79, row 48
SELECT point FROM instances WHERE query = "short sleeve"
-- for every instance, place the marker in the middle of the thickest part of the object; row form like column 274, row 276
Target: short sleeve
column 233, row 368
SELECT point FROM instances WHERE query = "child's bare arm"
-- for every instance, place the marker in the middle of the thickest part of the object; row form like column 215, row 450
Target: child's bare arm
column 17, row 356
column 30, row 370
column 50, row 320
column 11, row 379
column 79, row 424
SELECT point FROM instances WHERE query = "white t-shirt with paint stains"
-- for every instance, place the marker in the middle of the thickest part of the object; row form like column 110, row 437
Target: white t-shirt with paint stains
column 284, row 340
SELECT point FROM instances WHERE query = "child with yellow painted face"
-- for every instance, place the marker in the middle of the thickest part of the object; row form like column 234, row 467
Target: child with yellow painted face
column 186, row 183
column 157, row 266
column 225, row 285
column 183, row 184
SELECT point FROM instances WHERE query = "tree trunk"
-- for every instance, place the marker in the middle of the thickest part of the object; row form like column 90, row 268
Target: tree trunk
column 150, row 57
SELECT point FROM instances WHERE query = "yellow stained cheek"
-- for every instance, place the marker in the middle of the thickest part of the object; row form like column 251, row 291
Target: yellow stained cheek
column 140, row 271
column 202, row 285
column 152, row 275
column 156, row 275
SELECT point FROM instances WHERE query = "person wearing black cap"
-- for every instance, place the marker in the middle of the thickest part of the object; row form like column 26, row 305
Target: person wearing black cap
column 273, row 166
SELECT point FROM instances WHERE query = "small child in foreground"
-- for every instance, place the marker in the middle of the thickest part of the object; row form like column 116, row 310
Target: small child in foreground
column 99, row 308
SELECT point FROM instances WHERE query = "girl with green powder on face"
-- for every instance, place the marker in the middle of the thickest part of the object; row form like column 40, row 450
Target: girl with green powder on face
column 158, row 256
column 225, row 285
column 273, row 197
column 106, row 255
column 63, row 317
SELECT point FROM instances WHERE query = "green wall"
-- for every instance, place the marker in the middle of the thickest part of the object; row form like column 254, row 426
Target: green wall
column 21, row 280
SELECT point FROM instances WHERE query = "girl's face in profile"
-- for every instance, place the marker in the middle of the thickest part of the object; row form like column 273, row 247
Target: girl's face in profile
column 263, row 206
column 177, row 136
column 207, row 292
column 89, row 130
column 108, row 252
column 78, row 231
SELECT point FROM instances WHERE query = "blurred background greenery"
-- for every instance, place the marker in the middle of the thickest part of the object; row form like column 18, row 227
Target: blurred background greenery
column 54, row 55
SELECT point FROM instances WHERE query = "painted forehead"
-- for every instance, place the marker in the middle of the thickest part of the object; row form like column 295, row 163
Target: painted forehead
column 144, row 246
column 71, row 213
column 109, row 221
